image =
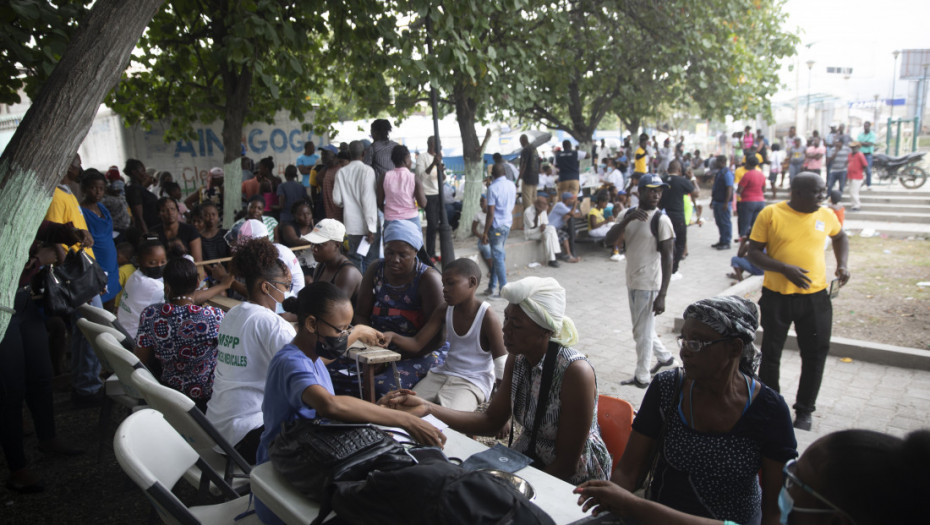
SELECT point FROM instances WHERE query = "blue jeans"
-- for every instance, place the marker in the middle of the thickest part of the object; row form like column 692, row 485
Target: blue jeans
column 85, row 367
column 748, row 211
column 834, row 176
column 497, row 237
column 868, row 169
column 722, row 218
column 484, row 250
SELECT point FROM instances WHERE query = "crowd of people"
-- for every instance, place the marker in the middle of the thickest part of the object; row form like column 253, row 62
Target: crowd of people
column 336, row 254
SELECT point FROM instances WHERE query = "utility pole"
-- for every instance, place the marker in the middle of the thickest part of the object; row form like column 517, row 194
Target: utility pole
column 894, row 74
column 446, row 248
column 807, row 113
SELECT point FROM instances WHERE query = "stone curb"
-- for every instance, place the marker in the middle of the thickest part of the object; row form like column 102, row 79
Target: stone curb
column 870, row 352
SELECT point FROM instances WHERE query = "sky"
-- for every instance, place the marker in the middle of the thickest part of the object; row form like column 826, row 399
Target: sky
column 853, row 33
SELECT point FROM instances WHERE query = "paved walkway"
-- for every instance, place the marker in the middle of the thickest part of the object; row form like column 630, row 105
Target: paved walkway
column 854, row 394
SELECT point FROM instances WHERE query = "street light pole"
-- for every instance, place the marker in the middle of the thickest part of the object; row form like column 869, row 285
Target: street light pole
column 446, row 248
column 894, row 74
column 807, row 114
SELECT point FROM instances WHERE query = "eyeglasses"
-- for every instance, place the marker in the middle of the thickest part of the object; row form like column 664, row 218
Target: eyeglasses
column 791, row 479
column 288, row 286
column 696, row 346
column 345, row 332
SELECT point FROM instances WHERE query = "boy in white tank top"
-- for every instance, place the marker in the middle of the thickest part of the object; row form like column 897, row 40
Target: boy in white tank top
column 476, row 343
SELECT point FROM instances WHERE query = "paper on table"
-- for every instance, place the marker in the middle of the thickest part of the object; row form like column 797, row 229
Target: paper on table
column 363, row 247
column 433, row 420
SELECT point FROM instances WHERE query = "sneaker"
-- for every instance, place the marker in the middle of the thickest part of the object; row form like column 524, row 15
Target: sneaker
column 496, row 296
column 617, row 257
column 663, row 364
column 554, row 263
column 677, row 276
column 634, row 382
column 487, row 291
column 803, row 421
column 722, row 247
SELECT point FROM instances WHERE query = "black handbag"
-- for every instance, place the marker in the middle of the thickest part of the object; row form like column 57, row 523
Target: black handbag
column 70, row 284
column 312, row 454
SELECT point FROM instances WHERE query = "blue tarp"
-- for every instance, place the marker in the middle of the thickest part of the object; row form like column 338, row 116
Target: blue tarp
column 457, row 164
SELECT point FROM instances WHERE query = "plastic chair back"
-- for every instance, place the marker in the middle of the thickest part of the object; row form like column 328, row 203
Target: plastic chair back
column 92, row 330
column 615, row 417
column 123, row 361
column 105, row 318
column 181, row 412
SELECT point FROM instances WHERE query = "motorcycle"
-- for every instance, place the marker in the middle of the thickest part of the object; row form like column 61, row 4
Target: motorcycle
column 904, row 168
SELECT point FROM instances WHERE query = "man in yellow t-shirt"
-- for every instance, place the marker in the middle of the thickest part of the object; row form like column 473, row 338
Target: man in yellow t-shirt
column 787, row 242
column 641, row 159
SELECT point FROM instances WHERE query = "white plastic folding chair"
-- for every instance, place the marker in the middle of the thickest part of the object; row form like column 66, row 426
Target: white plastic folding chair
column 114, row 390
column 189, row 421
column 123, row 362
column 155, row 457
column 106, row 318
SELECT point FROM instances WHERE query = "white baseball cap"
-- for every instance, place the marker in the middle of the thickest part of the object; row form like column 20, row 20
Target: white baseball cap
column 326, row 230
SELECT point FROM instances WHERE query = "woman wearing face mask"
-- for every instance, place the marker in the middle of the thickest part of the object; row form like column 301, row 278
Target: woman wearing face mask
column 299, row 384
column 857, row 477
column 145, row 286
column 250, row 334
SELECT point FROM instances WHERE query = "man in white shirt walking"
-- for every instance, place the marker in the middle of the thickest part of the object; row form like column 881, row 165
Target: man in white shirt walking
column 354, row 192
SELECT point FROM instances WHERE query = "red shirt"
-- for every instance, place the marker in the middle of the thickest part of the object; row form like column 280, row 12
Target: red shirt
column 857, row 164
column 753, row 185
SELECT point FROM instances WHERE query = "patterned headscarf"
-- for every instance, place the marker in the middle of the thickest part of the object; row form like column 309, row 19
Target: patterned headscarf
column 731, row 316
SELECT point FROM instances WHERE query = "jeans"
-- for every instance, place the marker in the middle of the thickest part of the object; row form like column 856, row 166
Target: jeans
column 497, row 237
column 25, row 375
column 722, row 218
column 868, row 169
column 836, row 176
column 85, row 367
column 812, row 315
column 484, row 250
column 644, row 332
column 681, row 237
column 748, row 211
column 433, row 209
column 359, row 261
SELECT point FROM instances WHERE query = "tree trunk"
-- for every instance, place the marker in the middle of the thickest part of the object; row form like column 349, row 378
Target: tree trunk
column 238, row 86
column 44, row 144
column 474, row 159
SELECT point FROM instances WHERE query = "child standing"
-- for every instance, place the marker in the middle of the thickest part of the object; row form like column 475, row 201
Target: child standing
column 400, row 192
column 475, row 358
column 854, row 173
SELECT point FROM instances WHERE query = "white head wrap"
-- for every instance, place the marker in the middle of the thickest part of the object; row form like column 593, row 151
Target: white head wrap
column 543, row 300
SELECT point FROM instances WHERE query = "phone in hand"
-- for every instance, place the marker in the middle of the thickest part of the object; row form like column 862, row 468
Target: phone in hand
column 834, row 288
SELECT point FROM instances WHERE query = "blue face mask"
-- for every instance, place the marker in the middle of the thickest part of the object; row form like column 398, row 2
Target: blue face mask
column 785, row 505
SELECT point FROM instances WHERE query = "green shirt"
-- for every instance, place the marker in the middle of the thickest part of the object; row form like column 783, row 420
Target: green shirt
column 867, row 137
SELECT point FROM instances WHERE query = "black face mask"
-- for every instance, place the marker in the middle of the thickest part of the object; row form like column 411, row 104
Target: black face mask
column 155, row 272
column 330, row 347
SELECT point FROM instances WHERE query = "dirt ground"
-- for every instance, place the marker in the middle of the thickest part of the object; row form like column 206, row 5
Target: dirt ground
column 882, row 301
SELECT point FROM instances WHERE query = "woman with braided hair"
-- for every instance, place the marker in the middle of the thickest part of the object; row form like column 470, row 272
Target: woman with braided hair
column 249, row 336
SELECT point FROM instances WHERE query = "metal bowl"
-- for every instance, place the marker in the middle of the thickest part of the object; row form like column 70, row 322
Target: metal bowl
column 523, row 486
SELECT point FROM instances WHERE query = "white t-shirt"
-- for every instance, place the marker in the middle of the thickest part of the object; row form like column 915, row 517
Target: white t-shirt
column 139, row 292
column 250, row 335
column 615, row 177
column 482, row 218
column 643, row 262
column 529, row 217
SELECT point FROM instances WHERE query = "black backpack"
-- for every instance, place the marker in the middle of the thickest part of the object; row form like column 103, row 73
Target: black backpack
column 435, row 492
